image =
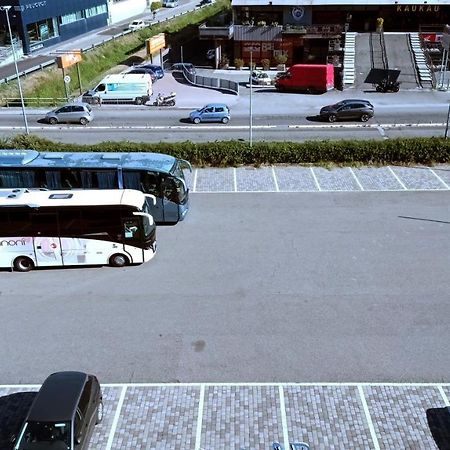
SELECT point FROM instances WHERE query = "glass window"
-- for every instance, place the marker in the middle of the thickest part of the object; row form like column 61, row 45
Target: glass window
column 14, row 178
column 42, row 30
column 101, row 179
column 132, row 229
column 48, row 433
column 147, row 182
column 72, row 17
column 95, row 11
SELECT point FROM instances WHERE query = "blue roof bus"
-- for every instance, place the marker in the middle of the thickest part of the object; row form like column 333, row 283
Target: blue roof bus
column 152, row 173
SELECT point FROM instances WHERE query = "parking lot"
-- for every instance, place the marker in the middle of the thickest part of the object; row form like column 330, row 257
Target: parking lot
column 315, row 179
column 254, row 416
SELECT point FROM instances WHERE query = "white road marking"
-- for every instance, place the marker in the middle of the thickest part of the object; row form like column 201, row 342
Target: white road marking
column 439, row 178
column 444, row 396
column 277, row 189
column 198, row 435
column 397, row 178
column 234, row 179
column 382, row 132
column 315, row 179
column 356, row 178
column 283, row 417
column 116, row 418
column 376, row 445
column 194, row 184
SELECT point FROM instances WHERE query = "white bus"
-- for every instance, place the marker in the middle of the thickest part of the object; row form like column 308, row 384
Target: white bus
column 76, row 227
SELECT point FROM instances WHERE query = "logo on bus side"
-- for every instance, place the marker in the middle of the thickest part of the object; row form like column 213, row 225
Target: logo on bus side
column 12, row 242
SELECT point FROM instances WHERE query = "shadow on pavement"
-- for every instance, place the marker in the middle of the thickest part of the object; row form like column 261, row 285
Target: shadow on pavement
column 314, row 119
column 439, row 424
column 13, row 411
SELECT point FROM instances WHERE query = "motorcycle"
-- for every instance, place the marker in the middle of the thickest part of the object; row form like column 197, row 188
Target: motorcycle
column 165, row 100
column 388, row 86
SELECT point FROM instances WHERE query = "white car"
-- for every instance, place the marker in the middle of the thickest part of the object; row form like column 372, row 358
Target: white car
column 137, row 24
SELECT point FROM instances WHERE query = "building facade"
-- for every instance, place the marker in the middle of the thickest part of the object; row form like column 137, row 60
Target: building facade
column 42, row 23
column 311, row 31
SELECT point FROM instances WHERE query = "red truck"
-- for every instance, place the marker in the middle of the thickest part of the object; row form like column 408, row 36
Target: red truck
column 307, row 77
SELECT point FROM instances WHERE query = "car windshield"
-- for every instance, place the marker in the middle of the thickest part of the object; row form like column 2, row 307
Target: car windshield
column 43, row 435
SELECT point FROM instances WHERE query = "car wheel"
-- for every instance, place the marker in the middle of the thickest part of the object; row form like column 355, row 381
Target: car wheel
column 196, row 120
column 53, row 121
column 83, row 121
column 138, row 101
column 225, row 120
column 99, row 413
column 23, row 264
column 332, row 118
column 118, row 260
column 365, row 117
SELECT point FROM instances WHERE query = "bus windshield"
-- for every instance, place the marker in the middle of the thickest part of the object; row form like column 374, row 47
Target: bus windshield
column 152, row 173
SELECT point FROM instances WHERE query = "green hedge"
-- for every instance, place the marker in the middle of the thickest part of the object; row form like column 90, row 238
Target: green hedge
column 234, row 153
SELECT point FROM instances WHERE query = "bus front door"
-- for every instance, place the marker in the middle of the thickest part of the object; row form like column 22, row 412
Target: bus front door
column 170, row 201
column 47, row 244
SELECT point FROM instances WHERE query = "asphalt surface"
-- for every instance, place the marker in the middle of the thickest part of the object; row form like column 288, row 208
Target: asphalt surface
column 251, row 287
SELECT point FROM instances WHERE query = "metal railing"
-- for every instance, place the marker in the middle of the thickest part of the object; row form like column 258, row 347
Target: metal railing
column 211, row 83
column 34, row 101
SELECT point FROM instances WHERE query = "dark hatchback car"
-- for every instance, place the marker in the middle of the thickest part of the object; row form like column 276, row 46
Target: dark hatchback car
column 350, row 109
column 179, row 67
column 63, row 414
column 158, row 70
column 140, row 70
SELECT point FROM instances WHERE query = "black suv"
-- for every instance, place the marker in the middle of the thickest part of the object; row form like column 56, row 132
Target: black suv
column 63, row 414
column 351, row 109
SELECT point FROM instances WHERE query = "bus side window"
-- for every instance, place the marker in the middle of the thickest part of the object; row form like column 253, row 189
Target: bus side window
column 150, row 183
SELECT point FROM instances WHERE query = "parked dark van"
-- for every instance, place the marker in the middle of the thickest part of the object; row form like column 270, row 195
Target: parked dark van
column 63, row 414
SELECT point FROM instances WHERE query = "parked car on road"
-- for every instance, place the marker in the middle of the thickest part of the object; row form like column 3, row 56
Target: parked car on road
column 178, row 67
column 63, row 414
column 71, row 112
column 260, row 78
column 205, row 2
column 158, row 70
column 140, row 70
column 137, row 24
column 213, row 112
column 351, row 109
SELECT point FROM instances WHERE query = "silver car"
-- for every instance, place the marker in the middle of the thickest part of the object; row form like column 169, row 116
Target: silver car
column 71, row 112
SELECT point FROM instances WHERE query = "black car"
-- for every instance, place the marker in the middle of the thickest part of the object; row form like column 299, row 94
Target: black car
column 158, row 70
column 180, row 67
column 63, row 414
column 350, row 109
column 139, row 70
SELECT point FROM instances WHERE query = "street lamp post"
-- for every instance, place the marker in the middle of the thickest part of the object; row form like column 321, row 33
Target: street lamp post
column 6, row 9
column 251, row 101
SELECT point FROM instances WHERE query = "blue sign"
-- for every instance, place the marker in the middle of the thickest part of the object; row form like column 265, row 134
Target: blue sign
column 298, row 12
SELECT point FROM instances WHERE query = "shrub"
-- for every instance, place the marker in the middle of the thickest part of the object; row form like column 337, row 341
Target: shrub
column 281, row 58
column 238, row 63
column 265, row 64
column 155, row 5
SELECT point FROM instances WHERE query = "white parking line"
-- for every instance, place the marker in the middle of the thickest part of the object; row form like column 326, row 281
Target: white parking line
column 315, row 179
column 116, row 418
column 194, row 184
column 439, row 178
column 382, row 132
column 283, row 418
column 443, row 395
column 397, row 178
column 277, row 189
column 376, row 445
column 234, row 179
column 198, row 435
column 356, row 178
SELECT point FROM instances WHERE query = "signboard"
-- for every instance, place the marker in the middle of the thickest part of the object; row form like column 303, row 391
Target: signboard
column 69, row 59
column 155, row 43
column 67, row 79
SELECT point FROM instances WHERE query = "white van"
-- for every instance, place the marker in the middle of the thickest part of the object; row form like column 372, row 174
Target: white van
column 123, row 87
column 170, row 3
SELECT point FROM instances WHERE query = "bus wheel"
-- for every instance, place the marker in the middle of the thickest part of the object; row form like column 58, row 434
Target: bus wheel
column 23, row 264
column 118, row 260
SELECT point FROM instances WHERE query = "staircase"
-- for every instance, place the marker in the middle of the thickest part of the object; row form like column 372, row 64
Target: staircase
column 349, row 59
column 422, row 64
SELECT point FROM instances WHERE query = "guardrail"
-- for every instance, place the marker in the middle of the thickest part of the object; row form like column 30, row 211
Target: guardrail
column 94, row 46
column 35, row 101
column 212, row 83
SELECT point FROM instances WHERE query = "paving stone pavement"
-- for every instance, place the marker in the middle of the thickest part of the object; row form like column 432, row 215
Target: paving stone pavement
column 315, row 179
column 254, row 416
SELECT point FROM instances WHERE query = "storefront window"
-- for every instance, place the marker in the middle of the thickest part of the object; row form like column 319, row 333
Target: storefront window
column 42, row 30
column 72, row 17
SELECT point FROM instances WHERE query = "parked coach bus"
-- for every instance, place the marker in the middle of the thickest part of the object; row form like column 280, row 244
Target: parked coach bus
column 152, row 173
column 72, row 228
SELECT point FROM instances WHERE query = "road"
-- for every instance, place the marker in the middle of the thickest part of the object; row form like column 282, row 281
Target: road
column 251, row 287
